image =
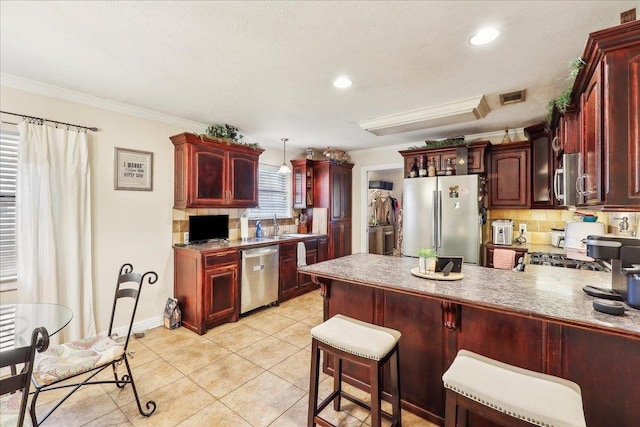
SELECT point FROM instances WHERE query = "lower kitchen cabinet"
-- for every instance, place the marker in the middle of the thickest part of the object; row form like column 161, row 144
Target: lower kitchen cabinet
column 207, row 283
column 292, row 283
column 288, row 271
column 220, row 293
column 488, row 253
column 206, row 287
column 340, row 238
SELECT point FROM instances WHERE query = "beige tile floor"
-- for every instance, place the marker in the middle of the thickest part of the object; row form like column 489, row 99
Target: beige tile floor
column 252, row 373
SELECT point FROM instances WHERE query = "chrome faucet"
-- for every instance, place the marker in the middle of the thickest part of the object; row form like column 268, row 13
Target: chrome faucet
column 276, row 227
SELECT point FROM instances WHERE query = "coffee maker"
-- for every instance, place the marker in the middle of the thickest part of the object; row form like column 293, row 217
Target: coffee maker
column 624, row 253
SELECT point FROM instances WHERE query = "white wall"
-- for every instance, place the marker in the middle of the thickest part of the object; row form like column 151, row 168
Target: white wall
column 128, row 226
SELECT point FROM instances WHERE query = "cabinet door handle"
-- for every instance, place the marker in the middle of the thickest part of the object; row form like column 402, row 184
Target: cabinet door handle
column 556, row 184
column 556, row 145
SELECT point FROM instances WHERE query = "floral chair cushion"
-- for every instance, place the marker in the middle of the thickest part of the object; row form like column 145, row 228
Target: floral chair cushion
column 10, row 410
column 75, row 357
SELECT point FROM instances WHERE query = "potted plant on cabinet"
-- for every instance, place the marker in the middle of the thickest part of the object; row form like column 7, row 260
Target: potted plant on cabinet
column 427, row 260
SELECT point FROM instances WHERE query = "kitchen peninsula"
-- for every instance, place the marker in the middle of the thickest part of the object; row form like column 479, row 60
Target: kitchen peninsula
column 539, row 319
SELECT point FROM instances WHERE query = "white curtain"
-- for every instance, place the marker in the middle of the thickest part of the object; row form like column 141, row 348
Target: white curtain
column 53, row 222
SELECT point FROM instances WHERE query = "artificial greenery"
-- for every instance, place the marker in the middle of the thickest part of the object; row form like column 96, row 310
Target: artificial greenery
column 459, row 140
column 562, row 102
column 427, row 253
column 228, row 133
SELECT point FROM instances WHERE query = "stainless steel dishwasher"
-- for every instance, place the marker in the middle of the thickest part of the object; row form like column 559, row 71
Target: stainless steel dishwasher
column 259, row 283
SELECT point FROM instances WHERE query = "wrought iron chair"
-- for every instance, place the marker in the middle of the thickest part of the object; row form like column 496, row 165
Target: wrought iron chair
column 92, row 355
column 14, row 388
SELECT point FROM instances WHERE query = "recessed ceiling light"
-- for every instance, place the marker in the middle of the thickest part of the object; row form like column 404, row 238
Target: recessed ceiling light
column 342, row 82
column 484, row 36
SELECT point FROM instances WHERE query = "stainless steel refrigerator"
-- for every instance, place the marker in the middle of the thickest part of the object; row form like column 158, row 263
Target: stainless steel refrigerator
column 443, row 213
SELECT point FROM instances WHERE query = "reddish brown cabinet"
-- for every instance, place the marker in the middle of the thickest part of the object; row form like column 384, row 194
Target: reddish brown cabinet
column 568, row 132
column 434, row 329
column 212, row 173
column 489, row 249
column 543, row 165
column 509, row 175
column 288, row 270
column 606, row 106
column 339, row 239
column 302, row 183
column 475, row 157
column 292, row 283
column 332, row 187
column 590, row 181
column 206, row 286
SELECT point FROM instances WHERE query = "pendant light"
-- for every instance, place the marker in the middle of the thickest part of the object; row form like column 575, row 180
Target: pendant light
column 284, row 169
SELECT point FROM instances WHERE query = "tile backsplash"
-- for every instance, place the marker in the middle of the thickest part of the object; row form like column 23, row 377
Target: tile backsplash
column 540, row 221
column 180, row 220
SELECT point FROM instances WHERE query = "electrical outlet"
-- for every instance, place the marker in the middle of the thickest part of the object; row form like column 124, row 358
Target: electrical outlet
column 185, row 237
column 522, row 228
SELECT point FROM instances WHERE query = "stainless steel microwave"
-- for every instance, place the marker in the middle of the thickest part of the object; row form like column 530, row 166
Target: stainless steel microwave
column 565, row 178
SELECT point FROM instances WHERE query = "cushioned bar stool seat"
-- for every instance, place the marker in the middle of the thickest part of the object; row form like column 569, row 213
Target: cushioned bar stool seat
column 509, row 395
column 365, row 344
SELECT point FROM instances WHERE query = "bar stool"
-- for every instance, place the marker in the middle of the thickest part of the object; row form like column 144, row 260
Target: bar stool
column 509, row 395
column 365, row 344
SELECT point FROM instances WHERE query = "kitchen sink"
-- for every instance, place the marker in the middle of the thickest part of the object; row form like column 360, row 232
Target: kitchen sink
column 280, row 237
column 295, row 235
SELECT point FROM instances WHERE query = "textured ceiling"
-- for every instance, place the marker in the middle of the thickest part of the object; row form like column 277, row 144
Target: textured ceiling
column 267, row 67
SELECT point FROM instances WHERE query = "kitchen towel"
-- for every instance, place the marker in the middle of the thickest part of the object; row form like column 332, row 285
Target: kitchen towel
column 302, row 254
column 504, row 259
column 319, row 221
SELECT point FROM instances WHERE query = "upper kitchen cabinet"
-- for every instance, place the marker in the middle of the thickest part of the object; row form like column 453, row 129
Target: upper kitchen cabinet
column 543, row 165
column 509, row 175
column 214, row 174
column 568, row 132
column 475, row 157
column 302, row 183
column 332, row 188
column 606, row 93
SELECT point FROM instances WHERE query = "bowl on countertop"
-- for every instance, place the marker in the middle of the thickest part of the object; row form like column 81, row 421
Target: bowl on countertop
column 591, row 218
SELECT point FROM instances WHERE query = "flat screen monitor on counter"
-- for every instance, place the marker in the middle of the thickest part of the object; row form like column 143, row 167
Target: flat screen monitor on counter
column 203, row 228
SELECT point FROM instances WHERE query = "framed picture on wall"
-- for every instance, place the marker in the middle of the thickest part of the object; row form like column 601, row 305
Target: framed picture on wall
column 133, row 170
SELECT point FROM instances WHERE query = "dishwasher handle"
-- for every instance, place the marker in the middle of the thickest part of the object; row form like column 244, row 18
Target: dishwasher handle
column 258, row 252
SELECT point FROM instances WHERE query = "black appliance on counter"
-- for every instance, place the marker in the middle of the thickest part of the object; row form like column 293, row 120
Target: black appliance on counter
column 204, row 228
column 624, row 253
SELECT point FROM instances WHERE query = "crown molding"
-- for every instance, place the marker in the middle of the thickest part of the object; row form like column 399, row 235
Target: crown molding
column 495, row 137
column 93, row 101
column 461, row 111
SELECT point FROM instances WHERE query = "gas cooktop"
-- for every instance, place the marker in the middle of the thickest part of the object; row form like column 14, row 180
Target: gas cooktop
column 560, row 260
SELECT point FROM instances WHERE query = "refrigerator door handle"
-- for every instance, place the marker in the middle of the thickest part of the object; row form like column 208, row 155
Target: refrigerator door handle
column 439, row 207
column 434, row 220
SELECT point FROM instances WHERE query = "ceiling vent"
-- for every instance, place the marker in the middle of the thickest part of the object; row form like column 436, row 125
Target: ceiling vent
column 512, row 97
column 441, row 115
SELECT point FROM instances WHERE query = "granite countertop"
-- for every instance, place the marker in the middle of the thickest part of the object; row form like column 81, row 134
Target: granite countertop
column 551, row 293
column 252, row 242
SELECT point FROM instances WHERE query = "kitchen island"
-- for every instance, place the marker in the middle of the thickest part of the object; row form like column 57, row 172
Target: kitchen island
column 539, row 319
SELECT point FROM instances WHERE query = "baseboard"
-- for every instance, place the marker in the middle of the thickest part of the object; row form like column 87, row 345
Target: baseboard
column 150, row 323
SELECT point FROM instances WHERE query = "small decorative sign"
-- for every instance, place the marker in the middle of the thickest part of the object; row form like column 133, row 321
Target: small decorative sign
column 133, row 170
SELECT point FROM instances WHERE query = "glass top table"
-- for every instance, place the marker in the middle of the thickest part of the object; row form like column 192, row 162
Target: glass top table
column 17, row 322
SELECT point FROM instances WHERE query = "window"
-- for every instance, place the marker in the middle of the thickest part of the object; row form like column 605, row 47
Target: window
column 274, row 194
column 8, row 172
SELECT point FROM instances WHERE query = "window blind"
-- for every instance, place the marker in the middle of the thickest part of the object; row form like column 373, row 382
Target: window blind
column 274, row 194
column 8, row 174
